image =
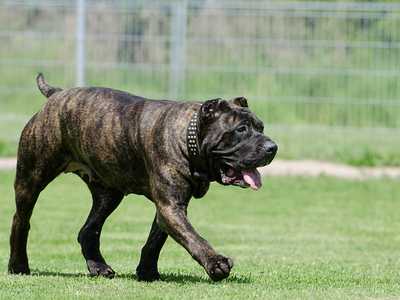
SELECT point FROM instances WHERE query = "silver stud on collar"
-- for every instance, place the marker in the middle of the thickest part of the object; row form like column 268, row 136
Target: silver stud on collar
column 192, row 136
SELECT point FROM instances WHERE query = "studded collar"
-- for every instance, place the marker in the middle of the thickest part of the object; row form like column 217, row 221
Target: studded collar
column 192, row 136
column 197, row 164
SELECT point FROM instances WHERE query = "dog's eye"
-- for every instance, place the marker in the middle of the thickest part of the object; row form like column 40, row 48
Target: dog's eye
column 242, row 128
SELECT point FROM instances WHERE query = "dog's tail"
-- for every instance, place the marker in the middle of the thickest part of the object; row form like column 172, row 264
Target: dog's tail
column 46, row 89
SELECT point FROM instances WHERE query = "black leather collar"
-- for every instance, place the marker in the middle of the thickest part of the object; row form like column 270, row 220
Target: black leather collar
column 192, row 137
column 198, row 165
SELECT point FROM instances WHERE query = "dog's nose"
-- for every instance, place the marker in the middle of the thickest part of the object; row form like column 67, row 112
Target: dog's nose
column 270, row 147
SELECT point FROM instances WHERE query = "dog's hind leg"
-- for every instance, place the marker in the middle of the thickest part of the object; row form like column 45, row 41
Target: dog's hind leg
column 147, row 269
column 105, row 201
column 35, row 169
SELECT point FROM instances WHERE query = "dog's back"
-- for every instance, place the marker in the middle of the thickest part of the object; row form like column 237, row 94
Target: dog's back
column 103, row 131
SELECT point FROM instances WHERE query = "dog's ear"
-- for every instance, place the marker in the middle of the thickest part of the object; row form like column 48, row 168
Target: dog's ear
column 240, row 101
column 211, row 109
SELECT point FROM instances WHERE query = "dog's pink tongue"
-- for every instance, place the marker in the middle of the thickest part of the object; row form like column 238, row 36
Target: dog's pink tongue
column 252, row 178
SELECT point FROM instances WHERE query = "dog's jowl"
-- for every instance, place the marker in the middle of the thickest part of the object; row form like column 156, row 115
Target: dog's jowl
column 119, row 144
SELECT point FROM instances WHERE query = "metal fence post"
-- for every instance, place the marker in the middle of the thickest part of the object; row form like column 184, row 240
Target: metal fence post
column 177, row 51
column 80, row 42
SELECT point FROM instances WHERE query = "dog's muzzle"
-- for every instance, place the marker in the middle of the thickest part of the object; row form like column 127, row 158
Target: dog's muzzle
column 270, row 149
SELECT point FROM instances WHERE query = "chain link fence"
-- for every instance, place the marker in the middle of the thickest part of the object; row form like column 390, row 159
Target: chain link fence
column 311, row 70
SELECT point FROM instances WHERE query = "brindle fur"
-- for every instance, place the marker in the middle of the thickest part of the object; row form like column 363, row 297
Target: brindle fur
column 118, row 144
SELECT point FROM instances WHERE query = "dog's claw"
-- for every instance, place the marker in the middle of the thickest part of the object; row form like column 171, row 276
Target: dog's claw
column 219, row 267
column 22, row 269
column 147, row 275
column 100, row 269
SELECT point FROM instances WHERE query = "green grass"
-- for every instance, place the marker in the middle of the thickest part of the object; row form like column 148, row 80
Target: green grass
column 297, row 238
column 353, row 146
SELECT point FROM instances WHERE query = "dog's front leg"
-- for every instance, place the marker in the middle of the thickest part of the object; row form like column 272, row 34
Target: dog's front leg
column 172, row 218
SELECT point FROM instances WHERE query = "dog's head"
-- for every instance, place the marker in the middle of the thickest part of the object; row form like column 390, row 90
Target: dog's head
column 234, row 142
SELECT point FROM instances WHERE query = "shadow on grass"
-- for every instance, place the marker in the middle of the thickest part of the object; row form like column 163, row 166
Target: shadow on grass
column 58, row 274
column 182, row 278
column 168, row 277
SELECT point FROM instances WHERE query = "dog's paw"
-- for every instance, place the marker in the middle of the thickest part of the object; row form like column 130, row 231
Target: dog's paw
column 16, row 268
column 219, row 267
column 100, row 269
column 147, row 275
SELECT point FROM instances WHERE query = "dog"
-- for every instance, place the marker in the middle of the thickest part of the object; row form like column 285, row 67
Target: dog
column 119, row 144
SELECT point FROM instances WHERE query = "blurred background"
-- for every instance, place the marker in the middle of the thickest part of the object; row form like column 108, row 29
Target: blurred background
column 323, row 76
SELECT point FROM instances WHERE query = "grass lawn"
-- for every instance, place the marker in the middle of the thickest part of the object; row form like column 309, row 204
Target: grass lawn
column 297, row 238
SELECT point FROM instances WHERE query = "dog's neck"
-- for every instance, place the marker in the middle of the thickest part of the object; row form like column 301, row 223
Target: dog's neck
column 197, row 162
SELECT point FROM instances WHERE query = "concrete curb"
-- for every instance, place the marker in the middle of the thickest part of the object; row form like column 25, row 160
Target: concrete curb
column 312, row 168
column 308, row 168
column 7, row 163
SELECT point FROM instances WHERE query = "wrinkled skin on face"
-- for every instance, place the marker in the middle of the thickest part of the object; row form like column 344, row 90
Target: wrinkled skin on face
column 234, row 142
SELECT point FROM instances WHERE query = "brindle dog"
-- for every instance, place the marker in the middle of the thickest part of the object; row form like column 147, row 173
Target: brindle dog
column 119, row 144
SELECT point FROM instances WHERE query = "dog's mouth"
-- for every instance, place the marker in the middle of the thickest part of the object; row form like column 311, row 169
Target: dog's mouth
column 243, row 178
